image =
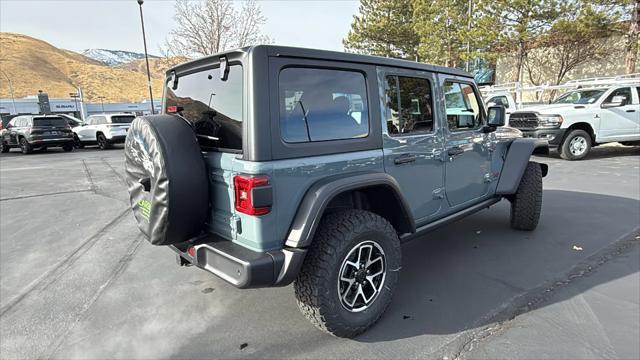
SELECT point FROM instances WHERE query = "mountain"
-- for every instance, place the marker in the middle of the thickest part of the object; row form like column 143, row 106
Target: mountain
column 114, row 57
column 32, row 64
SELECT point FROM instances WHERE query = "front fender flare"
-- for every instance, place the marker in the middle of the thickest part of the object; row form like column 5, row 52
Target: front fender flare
column 320, row 195
column 515, row 163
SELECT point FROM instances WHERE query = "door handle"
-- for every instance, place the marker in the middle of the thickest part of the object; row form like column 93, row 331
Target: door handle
column 631, row 110
column 455, row 151
column 404, row 159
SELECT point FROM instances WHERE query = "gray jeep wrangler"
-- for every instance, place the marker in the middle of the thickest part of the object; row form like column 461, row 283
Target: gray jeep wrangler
column 272, row 165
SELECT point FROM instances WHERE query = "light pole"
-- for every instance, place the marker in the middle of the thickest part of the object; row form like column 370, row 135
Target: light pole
column 13, row 100
column 469, row 15
column 146, row 56
column 75, row 97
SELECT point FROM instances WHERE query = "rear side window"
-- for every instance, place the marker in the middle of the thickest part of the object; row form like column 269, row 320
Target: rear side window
column 57, row 122
column 98, row 120
column 409, row 105
column 213, row 106
column 462, row 105
column 622, row 92
column 322, row 104
column 122, row 119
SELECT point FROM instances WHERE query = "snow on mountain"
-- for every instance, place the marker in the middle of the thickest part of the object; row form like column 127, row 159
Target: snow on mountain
column 113, row 57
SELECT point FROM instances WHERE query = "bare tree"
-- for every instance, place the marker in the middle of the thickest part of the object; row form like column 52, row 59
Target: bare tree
column 211, row 26
column 632, row 37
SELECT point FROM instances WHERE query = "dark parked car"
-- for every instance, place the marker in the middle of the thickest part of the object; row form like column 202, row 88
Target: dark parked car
column 29, row 132
column 272, row 165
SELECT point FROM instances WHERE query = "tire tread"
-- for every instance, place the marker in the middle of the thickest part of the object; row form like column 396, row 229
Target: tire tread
column 526, row 204
column 334, row 231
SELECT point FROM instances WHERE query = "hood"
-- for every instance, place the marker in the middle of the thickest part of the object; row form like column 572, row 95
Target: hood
column 551, row 108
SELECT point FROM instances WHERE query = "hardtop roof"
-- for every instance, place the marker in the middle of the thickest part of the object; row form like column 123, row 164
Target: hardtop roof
column 304, row 53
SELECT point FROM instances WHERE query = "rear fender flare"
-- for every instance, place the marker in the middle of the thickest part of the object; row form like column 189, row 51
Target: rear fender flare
column 320, row 195
column 515, row 163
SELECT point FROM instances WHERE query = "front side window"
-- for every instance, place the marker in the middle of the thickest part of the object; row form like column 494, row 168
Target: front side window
column 409, row 105
column 322, row 104
column 214, row 106
column 462, row 105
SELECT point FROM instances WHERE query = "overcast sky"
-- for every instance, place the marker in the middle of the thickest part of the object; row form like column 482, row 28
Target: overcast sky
column 115, row 24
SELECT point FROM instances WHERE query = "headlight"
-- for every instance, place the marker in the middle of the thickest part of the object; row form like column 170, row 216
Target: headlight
column 550, row 121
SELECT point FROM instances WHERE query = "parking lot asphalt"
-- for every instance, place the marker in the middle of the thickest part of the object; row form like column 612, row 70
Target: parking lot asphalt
column 77, row 280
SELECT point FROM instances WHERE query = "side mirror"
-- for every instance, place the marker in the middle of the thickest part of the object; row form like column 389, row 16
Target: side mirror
column 615, row 102
column 496, row 116
column 491, row 104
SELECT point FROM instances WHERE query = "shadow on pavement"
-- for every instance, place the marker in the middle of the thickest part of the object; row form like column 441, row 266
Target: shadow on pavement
column 454, row 279
column 458, row 277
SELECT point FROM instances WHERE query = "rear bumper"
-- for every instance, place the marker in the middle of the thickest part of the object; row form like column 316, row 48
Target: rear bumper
column 117, row 139
column 553, row 136
column 242, row 267
column 51, row 142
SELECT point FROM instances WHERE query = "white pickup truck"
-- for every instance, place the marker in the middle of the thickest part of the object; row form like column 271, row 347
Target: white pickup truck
column 583, row 118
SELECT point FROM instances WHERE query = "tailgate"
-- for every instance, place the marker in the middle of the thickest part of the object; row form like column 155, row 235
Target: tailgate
column 222, row 220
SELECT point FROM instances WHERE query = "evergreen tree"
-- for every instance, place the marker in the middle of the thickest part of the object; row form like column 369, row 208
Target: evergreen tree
column 384, row 28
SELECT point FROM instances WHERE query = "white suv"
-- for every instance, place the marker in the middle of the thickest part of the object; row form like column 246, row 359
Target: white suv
column 103, row 130
column 581, row 119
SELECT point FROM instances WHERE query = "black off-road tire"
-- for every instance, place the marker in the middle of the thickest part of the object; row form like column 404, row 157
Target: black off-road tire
column 316, row 287
column 4, row 147
column 103, row 143
column 67, row 148
column 526, row 203
column 565, row 147
column 25, row 146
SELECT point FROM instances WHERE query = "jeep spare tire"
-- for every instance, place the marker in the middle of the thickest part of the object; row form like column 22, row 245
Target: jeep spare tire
column 166, row 178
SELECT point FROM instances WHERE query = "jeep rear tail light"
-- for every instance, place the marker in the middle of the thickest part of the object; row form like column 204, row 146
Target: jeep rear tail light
column 243, row 188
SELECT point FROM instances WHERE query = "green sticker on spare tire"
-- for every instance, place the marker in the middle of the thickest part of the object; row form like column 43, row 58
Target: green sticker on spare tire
column 145, row 208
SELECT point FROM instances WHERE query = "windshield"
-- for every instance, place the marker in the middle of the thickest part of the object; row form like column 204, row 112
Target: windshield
column 57, row 121
column 127, row 119
column 580, row 97
column 213, row 106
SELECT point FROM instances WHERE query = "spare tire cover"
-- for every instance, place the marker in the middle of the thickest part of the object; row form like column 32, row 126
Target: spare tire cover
column 166, row 178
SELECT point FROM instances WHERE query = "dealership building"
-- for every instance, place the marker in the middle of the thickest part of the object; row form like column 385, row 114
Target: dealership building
column 31, row 105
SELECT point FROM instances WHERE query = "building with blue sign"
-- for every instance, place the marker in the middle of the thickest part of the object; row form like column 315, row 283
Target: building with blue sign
column 77, row 108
